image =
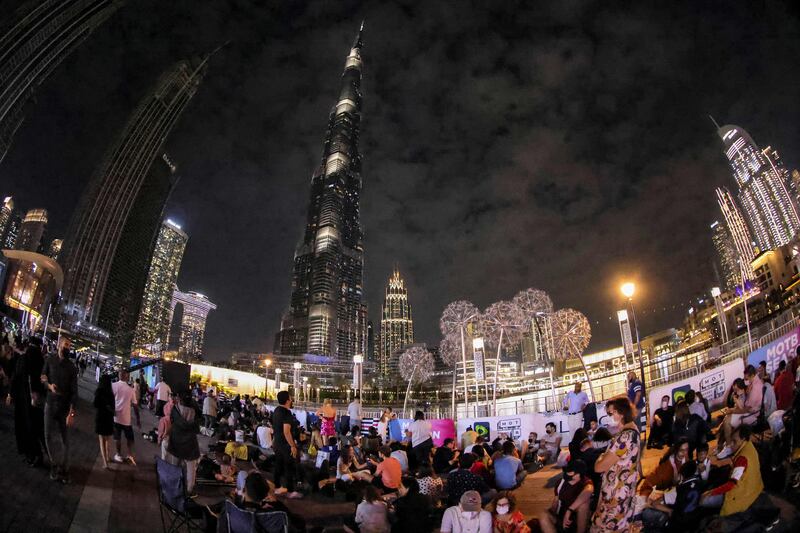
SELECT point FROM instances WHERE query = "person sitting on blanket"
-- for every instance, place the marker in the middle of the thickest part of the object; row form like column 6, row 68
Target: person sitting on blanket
column 227, row 471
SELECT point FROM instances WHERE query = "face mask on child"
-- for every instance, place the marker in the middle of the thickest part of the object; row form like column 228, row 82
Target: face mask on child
column 502, row 509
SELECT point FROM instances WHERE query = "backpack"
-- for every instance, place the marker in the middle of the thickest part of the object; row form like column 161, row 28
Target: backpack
column 762, row 424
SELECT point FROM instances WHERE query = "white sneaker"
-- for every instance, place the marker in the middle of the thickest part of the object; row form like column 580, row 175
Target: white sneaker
column 117, row 458
column 294, row 495
column 281, row 490
column 725, row 453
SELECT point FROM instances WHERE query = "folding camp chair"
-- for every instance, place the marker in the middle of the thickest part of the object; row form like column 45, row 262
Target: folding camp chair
column 242, row 521
column 174, row 506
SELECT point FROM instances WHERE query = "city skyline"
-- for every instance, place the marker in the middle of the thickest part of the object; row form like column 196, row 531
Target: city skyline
column 489, row 147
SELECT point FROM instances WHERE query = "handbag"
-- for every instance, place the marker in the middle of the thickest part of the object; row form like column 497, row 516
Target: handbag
column 312, row 450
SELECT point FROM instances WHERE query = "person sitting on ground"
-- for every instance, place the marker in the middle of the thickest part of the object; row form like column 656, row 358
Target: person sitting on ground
column 430, row 484
column 445, row 458
column 264, row 435
column 237, row 450
column 372, row 441
column 258, row 497
column 479, row 467
column 745, row 484
column 550, row 445
column 400, row 454
column 462, row 480
column 479, row 440
column 667, row 473
column 412, row 509
column 332, row 449
column 602, row 438
column 505, row 516
column 227, row 471
column 466, row 515
column 678, row 507
column 703, row 463
column 508, row 470
column 388, row 471
column 593, row 427
column 747, row 395
column 570, row 510
column 349, row 469
column 695, row 407
column 372, row 514
column 661, row 427
column 688, row 427
column 533, row 447
column 576, row 443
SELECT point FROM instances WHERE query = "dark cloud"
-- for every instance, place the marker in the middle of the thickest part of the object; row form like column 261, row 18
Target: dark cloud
column 558, row 145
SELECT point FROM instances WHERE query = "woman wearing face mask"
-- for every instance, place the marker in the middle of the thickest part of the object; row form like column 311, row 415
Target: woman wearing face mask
column 620, row 467
column 505, row 517
column 569, row 511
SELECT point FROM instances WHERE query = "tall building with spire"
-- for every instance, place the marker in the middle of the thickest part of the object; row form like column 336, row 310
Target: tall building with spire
column 6, row 216
column 152, row 330
column 193, row 312
column 397, row 327
column 40, row 35
column 32, row 230
column 111, row 238
column 763, row 193
column 738, row 231
column 327, row 313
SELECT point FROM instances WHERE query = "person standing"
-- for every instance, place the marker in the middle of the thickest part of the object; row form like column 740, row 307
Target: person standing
column 123, row 400
column 354, row 412
column 636, row 397
column 162, row 396
column 574, row 403
column 104, row 418
column 28, row 394
column 286, row 449
column 60, row 378
column 421, row 439
column 209, row 410
column 620, row 468
column 183, row 444
column 327, row 414
column 468, row 438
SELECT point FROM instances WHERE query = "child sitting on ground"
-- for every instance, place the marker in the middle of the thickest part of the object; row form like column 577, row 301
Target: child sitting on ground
column 227, row 470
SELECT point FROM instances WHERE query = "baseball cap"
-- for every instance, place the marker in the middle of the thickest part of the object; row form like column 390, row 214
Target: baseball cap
column 471, row 501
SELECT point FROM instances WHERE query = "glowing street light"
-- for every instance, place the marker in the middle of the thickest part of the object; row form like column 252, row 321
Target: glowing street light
column 628, row 289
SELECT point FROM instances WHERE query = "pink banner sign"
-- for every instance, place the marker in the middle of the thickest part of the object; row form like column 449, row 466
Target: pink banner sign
column 442, row 428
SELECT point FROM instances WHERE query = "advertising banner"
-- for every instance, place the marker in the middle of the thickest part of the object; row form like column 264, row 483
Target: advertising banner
column 781, row 349
column 441, row 428
column 519, row 426
column 713, row 384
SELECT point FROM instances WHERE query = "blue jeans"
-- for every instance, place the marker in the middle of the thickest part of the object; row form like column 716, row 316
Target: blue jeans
column 714, row 501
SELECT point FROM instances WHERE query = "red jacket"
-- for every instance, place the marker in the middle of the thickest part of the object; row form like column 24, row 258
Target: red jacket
column 784, row 389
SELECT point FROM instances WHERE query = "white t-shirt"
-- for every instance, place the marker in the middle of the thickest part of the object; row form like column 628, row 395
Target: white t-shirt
column 457, row 521
column 264, row 435
column 123, row 397
column 354, row 412
column 420, row 432
column 402, row 458
column 162, row 391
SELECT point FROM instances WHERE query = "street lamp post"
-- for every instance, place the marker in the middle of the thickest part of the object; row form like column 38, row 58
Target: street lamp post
column 305, row 388
column 358, row 373
column 296, row 381
column 628, row 289
column 267, row 363
column 277, row 380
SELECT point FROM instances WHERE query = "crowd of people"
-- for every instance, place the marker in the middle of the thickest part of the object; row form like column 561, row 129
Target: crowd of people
column 407, row 482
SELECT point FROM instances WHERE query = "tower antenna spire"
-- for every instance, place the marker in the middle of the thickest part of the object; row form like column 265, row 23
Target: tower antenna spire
column 714, row 121
column 358, row 43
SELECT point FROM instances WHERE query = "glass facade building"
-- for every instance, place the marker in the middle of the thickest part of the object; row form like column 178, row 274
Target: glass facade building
column 738, row 231
column 111, row 238
column 397, row 326
column 194, row 309
column 40, row 35
column 327, row 314
column 764, row 192
column 726, row 255
column 152, row 330
column 32, row 230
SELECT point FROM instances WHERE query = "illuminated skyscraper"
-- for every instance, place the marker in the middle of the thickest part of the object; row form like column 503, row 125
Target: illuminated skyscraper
column 763, row 194
column 113, row 232
column 397, row 327
column 195, row 307
column 32, row 230
column 40, row 36
column 12, row 232
column 153, row 326
column 6, row 214
column 54, row 250
column 737, row 230
column 327, row 314
column 726, row 255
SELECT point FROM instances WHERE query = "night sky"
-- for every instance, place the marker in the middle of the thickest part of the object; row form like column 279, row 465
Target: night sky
column 559, row 145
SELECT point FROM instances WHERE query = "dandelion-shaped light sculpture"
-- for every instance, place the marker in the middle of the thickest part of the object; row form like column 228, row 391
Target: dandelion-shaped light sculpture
column 537, row 307
column 453, row 324
column 416, row 366
column 502, row 322
column 571, row 335
column 449, row 352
